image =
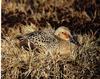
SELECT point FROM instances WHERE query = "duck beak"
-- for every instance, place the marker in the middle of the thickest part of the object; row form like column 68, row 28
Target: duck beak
column 73, row 40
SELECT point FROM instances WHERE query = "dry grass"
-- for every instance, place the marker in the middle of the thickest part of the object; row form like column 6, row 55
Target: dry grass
column 17, row 63
column 25, row 17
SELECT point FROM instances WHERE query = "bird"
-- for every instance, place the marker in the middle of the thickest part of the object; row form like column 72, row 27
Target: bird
column 60, row 40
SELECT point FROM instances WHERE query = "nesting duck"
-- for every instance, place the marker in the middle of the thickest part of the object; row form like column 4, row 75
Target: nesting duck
column 60, row 41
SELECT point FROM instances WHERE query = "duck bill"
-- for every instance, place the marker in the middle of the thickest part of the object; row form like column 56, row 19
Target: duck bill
column 75, row 41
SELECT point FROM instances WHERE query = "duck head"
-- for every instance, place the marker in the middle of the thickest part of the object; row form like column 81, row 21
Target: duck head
column 65, row 34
